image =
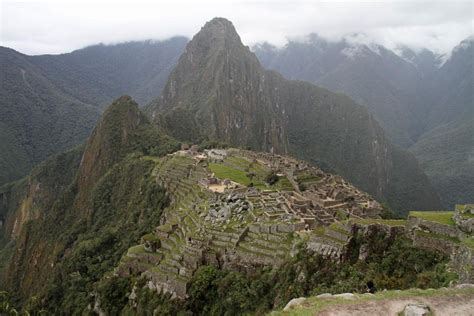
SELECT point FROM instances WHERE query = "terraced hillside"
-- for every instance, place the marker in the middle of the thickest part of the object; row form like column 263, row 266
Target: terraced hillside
column 223, row 212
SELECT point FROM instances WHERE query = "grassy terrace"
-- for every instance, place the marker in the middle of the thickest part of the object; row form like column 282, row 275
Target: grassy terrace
column 469, row 242
column 225, row 172
column 233, row 168
column 436, row 236
column 338, row 228
column 372, row 221
column 445, row 218
column 314, row 305
column 136, row 249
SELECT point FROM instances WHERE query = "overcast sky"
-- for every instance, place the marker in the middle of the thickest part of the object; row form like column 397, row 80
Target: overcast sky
column 40, row 27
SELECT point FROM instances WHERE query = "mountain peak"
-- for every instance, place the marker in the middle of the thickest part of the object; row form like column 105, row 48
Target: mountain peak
column 109, row 141
column 218, row 27
column 219, row 34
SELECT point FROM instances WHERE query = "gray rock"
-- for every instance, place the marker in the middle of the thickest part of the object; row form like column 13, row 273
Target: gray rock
column 324, row 295
column 416, row 310
column 347, row 296
column 294, row 303
column 464, row 286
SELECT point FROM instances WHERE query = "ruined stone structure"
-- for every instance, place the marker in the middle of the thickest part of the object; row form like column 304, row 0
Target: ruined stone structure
column 244, row 227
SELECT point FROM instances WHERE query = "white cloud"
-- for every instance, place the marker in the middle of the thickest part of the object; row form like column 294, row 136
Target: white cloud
column 38, row 27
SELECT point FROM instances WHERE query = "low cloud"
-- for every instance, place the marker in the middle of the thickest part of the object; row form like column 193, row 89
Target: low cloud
column 40, row 27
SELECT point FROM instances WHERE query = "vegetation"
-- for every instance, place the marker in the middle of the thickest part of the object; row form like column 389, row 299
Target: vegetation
column 314, row 305
column 326, row 129
column 221, row 292
column 53, row 103
column 388, row 222
column 445, row 218
column 83, row 239
column 272, row 178
column 241, row 170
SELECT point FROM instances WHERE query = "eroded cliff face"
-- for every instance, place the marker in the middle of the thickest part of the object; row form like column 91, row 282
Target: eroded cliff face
column 219, row 91
column 28, row 205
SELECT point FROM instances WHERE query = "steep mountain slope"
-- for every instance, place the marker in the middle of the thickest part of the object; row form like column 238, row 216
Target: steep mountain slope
column 450, row 93
column 98, row 74
column 219, row 91
column 50, row 103
column 413, row 98
column 371, row 75
column 78, row 212
column 37, row 119
column 446, row 151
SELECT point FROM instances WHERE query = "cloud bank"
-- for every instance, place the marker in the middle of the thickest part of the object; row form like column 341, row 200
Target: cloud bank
column 51, row 27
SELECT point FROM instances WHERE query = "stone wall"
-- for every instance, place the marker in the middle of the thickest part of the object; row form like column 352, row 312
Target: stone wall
column 464, row 223
column 462, row 262
column 434, row 227
column 441, row 245
column 277, row 228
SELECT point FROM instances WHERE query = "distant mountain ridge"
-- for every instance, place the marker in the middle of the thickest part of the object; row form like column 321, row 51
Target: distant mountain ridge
column 50, row 103
column 415, row 95
column 219, row 91
column 392, row 86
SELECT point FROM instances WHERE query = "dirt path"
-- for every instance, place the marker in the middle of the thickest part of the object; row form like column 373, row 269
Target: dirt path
column 456, row 305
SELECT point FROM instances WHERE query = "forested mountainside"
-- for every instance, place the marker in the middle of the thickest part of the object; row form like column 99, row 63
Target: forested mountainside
column 446, row 150
column 219, row 91
column 70, row 221
column 414, row 96
column 50, row 103
column 120, row 226
column 37, row 119
column 98, row 74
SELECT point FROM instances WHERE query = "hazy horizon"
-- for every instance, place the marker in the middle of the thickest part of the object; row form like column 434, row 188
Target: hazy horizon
column 51, row 27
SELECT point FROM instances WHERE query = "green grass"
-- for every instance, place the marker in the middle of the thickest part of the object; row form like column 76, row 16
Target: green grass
column 337, row 227
column 225, row 172
column 387, row 222
column 313, row 305
column 467, row 215
column 150, row 237
column 445, row 218
column 136, row 249
column 469, row 242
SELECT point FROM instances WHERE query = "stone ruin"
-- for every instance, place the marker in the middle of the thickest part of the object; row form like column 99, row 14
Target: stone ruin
column 240, row 227
column 225, row 208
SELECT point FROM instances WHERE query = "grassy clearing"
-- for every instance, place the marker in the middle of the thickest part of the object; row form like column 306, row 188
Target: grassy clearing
column 313, row 305
column 136, row 249
column 445, row 218
column 234, row 169
column 226, row 172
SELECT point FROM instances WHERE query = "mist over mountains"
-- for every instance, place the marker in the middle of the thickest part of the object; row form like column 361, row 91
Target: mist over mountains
column 417, row 97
